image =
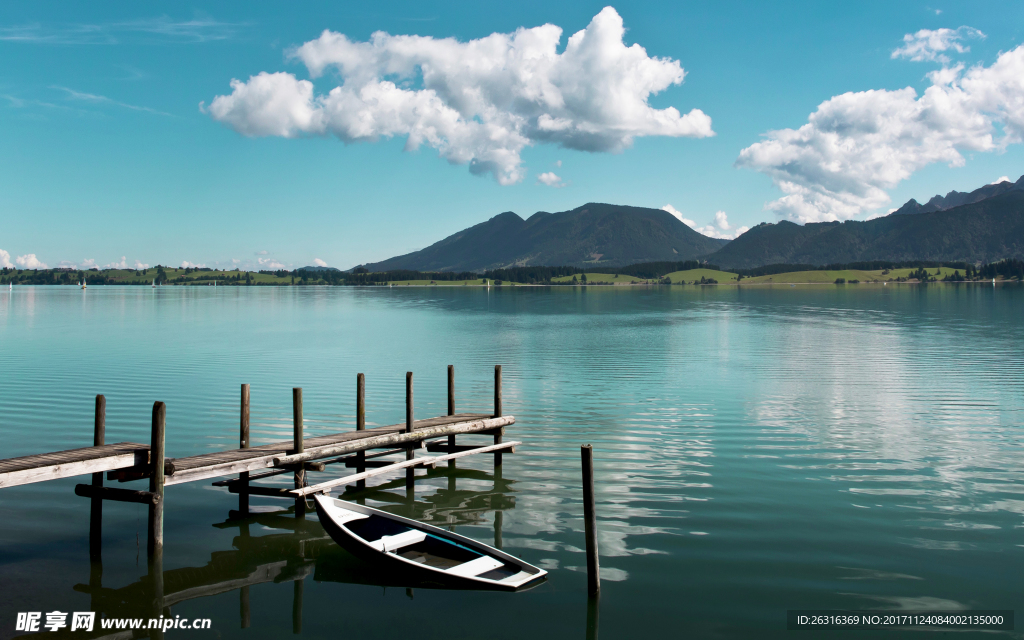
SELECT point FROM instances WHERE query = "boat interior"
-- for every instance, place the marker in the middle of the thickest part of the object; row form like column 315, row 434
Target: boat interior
column 436, row 552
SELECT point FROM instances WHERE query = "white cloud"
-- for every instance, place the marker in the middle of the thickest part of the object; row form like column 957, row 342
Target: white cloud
column 140, row 265
column 550, row 179
column 1002, row 179
column 117, row 265
column 558, row 163
column 679, row 215
column 262, row 253
column 88, row 263
column 5, row 260
column 856, row 146
column 270, row 263
column 720, row 228
column 185, row 264
column 480, row 102
column 318, row 262
column 29, row 261
column 928, row 46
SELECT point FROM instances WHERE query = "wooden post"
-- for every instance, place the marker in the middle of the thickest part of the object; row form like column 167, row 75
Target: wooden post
column 451, row 390
column 243, row 606
column 96, row 510
column 156, row 577
column 298, row 446
column 243, row 443
column 593, row 615
column 360, row 424
column 497, row 411
column 409, row 453
column 451, row 410
column 243, row 594
column 590, row 520
column 155, row 541
column 297, row 606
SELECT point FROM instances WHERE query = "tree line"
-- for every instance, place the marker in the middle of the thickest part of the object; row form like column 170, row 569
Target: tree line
column 1009, row 269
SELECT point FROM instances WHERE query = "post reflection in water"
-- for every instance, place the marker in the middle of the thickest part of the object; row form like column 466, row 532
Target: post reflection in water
column 302, row 549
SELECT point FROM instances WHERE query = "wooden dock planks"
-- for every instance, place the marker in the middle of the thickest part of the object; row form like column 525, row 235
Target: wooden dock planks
column 111, row 457
column 73, row 462
column 222, row 463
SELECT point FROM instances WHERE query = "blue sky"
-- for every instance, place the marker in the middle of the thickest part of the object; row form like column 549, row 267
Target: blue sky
column 106, row 151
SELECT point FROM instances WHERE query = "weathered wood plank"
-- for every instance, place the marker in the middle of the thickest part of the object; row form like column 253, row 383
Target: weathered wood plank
column 426, row 461
column 73, row 462
column 391, row 439
column 234, row 455
column 186, row 469
column 432, row 461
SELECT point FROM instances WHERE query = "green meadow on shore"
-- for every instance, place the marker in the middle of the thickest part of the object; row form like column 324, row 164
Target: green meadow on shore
column 440, row 283
column 828, row 277
column 677, row 277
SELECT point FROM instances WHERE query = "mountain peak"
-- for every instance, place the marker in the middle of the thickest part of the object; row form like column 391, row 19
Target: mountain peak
column 592, row 234
column 958, row 198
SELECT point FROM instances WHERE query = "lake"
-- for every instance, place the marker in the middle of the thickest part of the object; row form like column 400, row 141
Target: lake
column 757, row 449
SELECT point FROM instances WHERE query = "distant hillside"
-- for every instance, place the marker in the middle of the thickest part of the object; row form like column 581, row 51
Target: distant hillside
column 986, row 231
column 317, row 268
column 957, row 198
column 600, row 235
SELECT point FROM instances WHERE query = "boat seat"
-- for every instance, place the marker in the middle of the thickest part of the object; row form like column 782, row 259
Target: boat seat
column 519, row 577
column 473, row 568
column 341, row 516
column 399, row 540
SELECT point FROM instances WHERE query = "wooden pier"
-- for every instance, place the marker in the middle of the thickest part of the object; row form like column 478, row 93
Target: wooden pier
column 73, row 462
column 128, row 461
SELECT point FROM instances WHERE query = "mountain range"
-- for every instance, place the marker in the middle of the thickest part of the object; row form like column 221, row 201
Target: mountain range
column 984, row 225
column 957, row 198
column 984, row 231
column 595, row 234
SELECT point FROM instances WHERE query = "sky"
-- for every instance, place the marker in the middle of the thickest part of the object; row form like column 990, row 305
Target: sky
column 278, row 135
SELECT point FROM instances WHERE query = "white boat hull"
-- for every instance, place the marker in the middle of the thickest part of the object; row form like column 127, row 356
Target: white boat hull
column 407, row 545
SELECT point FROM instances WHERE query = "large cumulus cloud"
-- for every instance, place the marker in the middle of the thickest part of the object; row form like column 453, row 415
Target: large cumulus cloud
column 858, row 145
column 478, row 102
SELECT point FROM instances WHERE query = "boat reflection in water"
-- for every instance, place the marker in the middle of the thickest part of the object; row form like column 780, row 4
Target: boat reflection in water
column 302, row 549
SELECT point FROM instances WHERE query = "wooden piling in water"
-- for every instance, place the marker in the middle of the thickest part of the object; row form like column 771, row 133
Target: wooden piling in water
column 361, row 424
column 298, row 446
column 590, row 520
column 155, row 539
column 243, row 607
column 297, row 606
column 96, row 508
column 410, row 474
column 497, row 411
column 156, row 577
column 243, row 443
column 451, row 409
column 593, row 615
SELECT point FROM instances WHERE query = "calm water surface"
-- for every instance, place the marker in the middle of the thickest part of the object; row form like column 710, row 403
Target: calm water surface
column 757, row 450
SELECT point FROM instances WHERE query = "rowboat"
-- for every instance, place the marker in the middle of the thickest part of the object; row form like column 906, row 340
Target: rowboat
column 401, row 544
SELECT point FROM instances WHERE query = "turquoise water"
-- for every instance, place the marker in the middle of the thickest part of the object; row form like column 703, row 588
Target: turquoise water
column 757, row 450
